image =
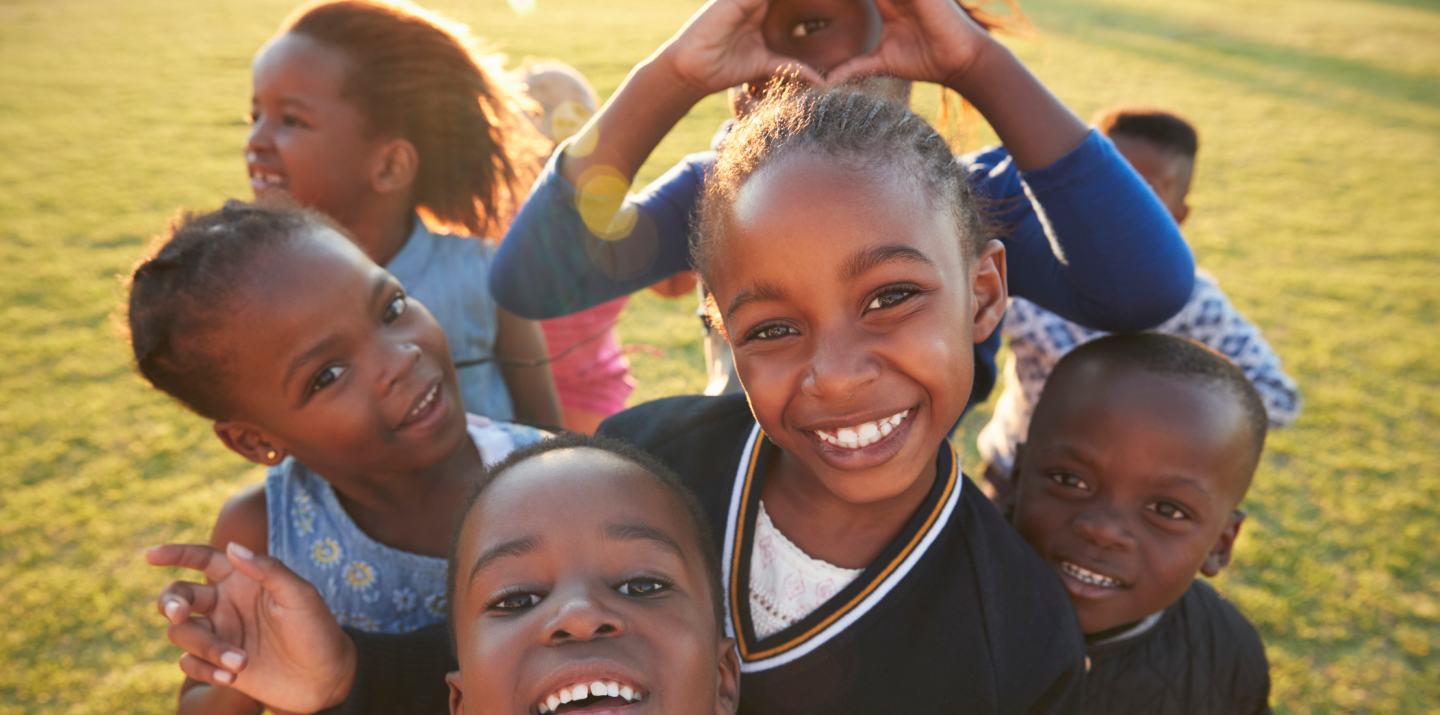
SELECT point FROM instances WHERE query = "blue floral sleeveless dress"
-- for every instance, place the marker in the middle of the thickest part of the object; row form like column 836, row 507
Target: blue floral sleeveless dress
column 367, row 585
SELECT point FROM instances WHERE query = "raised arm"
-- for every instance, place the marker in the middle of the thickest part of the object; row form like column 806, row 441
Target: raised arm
column 1085, row 237
column 578, row 242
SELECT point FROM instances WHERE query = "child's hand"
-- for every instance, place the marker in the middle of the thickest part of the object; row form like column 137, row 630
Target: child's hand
column 722, row 46
column 259, row 628
column 922, row 41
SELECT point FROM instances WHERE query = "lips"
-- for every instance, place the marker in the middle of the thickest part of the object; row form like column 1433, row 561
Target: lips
column 424, row 406
column 1087, row 583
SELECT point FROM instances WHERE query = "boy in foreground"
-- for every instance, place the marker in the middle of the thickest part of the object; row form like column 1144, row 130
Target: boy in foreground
column 1140, row 451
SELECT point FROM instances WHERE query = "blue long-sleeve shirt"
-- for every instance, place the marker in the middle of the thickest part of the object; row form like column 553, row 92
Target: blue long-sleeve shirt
column 1085, row 238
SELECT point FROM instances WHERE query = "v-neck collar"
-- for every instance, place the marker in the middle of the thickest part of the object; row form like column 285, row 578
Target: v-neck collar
column 850, row 603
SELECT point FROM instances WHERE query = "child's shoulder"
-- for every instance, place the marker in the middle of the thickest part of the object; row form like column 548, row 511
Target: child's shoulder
column 1203, row 653
column 244, row 519
column 689, row 419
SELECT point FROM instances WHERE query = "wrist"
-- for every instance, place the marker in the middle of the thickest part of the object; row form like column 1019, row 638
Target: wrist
column 976, row 71
column 345, row 681
column 669, row 71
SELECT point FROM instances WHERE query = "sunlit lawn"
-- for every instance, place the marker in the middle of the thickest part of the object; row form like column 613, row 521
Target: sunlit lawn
column 1315, row 204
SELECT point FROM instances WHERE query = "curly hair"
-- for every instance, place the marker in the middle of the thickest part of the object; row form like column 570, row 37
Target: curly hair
column 845, row 123
column 178, row 295
column 419, row 76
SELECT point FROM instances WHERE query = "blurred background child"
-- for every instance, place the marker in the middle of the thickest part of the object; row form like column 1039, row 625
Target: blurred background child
column 1162, row 147
column 383, row 116
column 1140, row 451
column 312, row 361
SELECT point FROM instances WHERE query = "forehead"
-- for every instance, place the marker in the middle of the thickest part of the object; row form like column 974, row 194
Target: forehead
column 569, row 496
column 299, row 64
column 1158, row 421
column 808, row 208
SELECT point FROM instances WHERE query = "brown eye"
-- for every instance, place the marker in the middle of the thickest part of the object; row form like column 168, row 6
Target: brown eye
column 643, row 587
column 772, row 332
column 326, row 377
column 1168, row 510
column 806, row 28
column 1065, row 479
column 516, row 602
column 395, row 309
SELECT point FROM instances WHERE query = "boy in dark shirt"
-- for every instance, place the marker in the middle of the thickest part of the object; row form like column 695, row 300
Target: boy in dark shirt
column 1140, row 450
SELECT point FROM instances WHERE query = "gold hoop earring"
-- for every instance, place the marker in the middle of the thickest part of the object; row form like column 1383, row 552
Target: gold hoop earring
column 270, row 454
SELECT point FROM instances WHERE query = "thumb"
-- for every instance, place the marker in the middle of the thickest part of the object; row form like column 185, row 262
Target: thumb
column 283, row 585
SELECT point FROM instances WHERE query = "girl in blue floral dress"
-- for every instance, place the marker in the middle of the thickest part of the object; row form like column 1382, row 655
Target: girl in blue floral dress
column 312, row 360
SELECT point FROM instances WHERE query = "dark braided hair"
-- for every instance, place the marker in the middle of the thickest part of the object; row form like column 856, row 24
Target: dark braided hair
column 418, row 76
column 845, row 123
column 179, row 293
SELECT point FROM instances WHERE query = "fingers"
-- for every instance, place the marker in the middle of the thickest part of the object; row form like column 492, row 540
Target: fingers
column 204, row 672
column 190, row 556
column 871, row 64
column 284, row 586
column 182, row 598
column 210, row 658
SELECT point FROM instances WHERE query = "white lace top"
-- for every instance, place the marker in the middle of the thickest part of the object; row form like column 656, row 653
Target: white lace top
column 786, row 584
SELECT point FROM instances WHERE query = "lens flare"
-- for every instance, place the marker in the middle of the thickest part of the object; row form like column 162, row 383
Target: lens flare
column 523, row 8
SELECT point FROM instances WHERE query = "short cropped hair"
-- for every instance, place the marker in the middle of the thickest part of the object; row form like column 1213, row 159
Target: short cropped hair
column 1184, row 358
column 1165, row 129
column 694, row 513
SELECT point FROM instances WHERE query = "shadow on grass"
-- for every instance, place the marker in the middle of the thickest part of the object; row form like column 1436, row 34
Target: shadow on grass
column 1191, row 46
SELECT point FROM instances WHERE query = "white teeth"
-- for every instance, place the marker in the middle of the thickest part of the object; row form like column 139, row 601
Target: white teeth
column 1087, row 576
column 575, row 693
column 429, row 397
column 863, row 435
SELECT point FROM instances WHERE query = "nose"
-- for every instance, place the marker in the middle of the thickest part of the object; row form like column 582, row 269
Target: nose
column 258, row 139
column 581, row 616
column 840, row 365
column 1104, row 527
column 400, row 359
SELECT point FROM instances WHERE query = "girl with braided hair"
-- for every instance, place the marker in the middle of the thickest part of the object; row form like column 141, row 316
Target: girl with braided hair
column 1085, row 237
column 314, row 362
column 850, row 269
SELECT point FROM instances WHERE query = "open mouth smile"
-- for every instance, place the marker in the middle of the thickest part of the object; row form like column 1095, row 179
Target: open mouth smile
column 588, row 697
column 862, row 435
column 423, row 406
column 1092, row 578
column 262, row 179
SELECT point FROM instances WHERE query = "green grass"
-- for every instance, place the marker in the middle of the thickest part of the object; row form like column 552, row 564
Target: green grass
column 1315, row 204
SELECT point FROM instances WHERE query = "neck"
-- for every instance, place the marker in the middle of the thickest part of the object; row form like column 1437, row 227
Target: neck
column 828, row 528
column 411, row 510
column 381, row 229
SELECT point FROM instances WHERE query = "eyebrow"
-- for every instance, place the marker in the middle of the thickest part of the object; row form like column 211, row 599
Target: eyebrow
column 514, row 547
column 1178, row 480
column 867, row 259
column 760, row 292
column 641, row 532
column 382, row 281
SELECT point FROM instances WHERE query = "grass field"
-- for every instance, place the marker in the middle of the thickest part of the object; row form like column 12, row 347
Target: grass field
column 1315, row 204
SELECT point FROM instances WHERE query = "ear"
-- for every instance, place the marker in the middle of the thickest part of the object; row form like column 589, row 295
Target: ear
column 727, row 697
column 1219, row 556
column 988, row 289
column 457, row 700
column 395, row 167
column 250, row 442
